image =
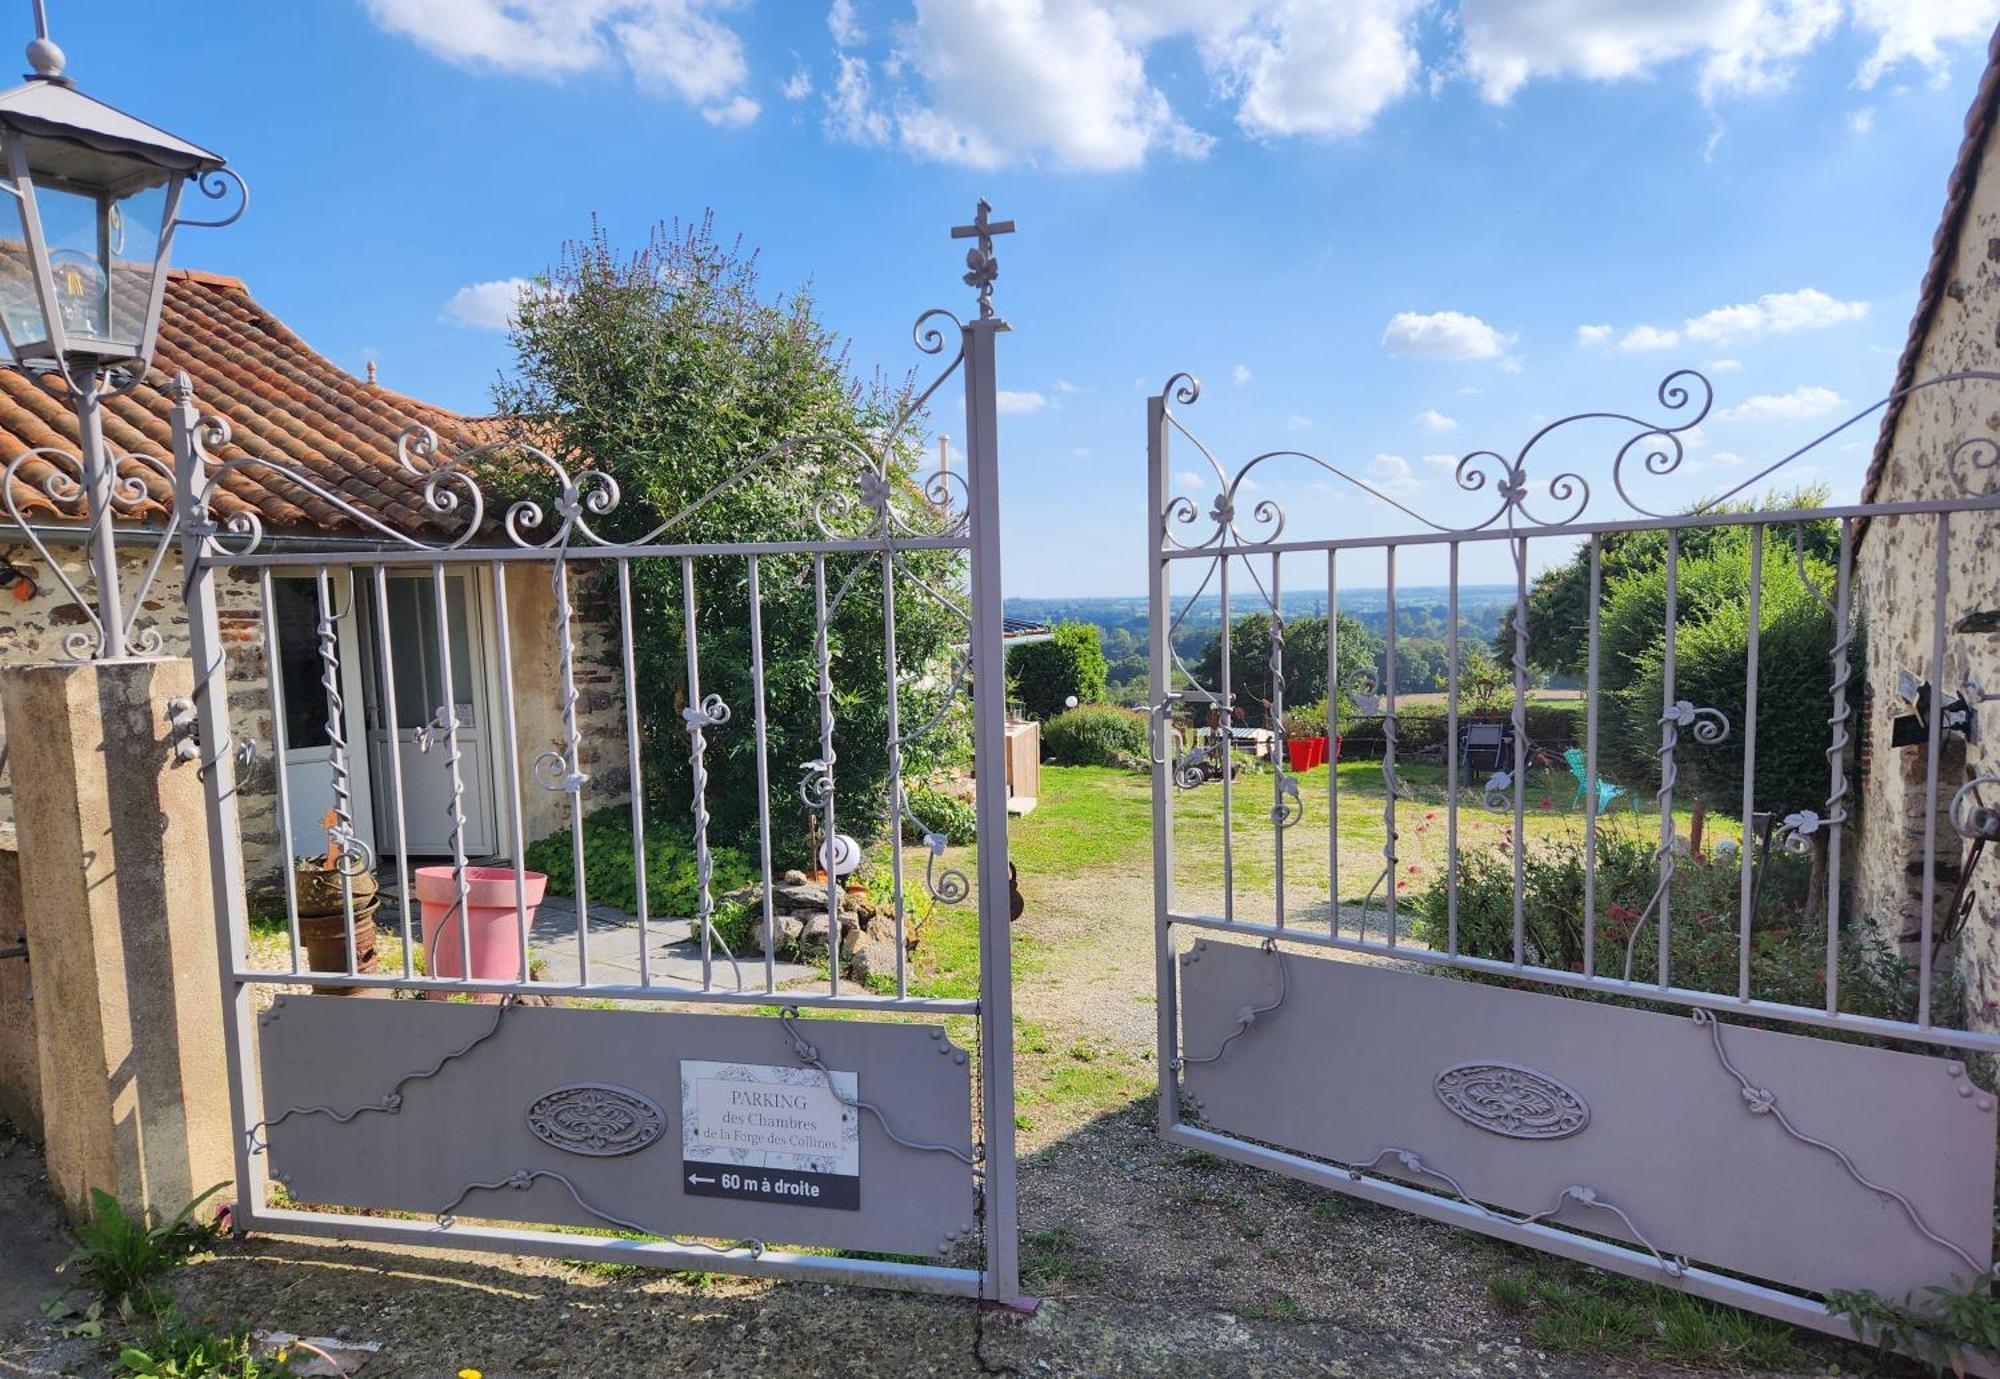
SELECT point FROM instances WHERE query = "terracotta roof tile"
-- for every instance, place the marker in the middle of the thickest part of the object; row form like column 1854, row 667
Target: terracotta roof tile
column 285, row 403
column 1958, row 190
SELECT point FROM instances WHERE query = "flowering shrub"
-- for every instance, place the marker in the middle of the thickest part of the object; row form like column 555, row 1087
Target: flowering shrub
column 1096, row 735
column 1787, row 951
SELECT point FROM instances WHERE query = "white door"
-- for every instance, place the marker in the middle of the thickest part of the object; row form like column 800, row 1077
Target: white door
column 306, row 735
column 415, row 684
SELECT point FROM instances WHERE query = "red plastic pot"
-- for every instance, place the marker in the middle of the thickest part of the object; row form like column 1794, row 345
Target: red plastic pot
column 492, row 924
column 1306, row 752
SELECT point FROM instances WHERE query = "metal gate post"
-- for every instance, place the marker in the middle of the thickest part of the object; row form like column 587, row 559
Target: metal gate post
column 989, row 745
column 1159, row 691
column 218, row 767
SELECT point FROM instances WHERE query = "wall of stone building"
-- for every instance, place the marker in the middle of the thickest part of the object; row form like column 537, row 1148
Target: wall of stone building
column 600, row 693
column 1895, row 575
column 20, row 1065
column 35, row 629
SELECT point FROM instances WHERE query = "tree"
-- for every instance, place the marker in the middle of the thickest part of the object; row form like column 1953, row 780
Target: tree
column 1045, row 675
column 1796, row 635
column 1559, row 597
column 670, row 371
column 1250, row 678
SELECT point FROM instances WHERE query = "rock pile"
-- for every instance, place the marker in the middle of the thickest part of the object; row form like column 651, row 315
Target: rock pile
column 799, row 925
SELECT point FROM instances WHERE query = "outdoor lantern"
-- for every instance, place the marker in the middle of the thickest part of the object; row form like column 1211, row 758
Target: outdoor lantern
column 84, row 247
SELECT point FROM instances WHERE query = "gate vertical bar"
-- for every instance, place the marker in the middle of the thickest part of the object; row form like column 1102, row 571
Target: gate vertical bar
column 225, row 839
column 1159, row 657
column 1333, row 742
column 989, row 745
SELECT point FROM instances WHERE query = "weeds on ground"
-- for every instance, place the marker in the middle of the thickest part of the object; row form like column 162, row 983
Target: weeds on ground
column 119, row 1255
column 122, row 1257
column 1965, row 1316
column 174, row 1350
column 1058, row 1256
column 1577, row 1311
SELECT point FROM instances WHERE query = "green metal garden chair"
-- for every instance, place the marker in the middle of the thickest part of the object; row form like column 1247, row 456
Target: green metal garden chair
column 1608, row 795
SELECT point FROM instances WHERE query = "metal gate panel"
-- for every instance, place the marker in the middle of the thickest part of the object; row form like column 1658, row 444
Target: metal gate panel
column 353, row 1120
column 1585, row 1093
column 1619, row 1122
column 883, row 514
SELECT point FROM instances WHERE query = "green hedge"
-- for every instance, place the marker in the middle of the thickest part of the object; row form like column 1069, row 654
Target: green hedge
column 949, row 815
column 1421, row 727
column 1095, row 735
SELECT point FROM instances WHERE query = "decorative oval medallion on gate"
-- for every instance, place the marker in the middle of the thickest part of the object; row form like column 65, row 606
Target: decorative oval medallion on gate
column 1510, row 1100
column 596, row 1119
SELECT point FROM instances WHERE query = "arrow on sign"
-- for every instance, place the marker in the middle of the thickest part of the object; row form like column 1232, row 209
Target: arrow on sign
column 694, row 1178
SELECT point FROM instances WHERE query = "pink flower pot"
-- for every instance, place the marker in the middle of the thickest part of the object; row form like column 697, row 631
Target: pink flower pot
column 492, row 925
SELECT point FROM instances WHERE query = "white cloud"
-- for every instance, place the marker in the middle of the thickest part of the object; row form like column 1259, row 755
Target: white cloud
column 1008, row 400
column 1861, row 121
column 1190, row 482
column 1918, row 31
column 1442, row 335
column 798, row 86
column 1298, row 421
column 1240, row 375
column 1728, row 458
column 676, row 48
column 1797, row 405
column 1723, row 365
column 851, row 113
column 1431, row 419
column 1774, row 313
column 1324, row 68
column 1446, row 463
column 1470, row 391
column 1392, row 474
column 1012, row 81
column 488, row 305
column 1742, row 45
column 1641, row 339
column 739, row 110
column 1063, row 385
column 1067, row 82
column 844, row 24
column 1082, row 452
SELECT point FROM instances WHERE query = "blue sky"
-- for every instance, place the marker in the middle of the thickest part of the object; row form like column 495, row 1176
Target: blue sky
column 1386, row 231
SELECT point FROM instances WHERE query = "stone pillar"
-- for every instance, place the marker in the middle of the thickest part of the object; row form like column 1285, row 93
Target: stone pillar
column 121, row 932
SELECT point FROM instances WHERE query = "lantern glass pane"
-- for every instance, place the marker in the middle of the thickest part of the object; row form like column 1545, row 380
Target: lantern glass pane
column 20, row 304
column 133, row 238
column 74, row 228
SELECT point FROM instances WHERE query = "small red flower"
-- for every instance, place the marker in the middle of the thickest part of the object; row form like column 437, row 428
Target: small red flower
column 1414, row 869
column 1547, row 803
column 1430, row 814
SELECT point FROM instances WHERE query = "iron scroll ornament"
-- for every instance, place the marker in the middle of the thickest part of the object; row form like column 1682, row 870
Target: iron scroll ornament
column 597, row 1120
column 1510, row 1100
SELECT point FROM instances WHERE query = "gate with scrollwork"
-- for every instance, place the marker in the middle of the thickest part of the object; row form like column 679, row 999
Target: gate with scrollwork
column 619, row 1084
column 1663, row 1023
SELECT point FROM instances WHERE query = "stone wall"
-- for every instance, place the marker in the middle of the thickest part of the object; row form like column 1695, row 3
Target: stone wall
column 1894, row 578
column 34, row 630
column 20, row 1074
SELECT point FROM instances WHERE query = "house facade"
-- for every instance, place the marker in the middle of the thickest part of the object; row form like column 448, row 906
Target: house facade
column 288, row 405
column 1937, row 443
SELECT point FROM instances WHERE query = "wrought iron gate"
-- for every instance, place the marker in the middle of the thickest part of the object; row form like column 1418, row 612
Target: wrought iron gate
column 1655, row 1081
column 677, row 1139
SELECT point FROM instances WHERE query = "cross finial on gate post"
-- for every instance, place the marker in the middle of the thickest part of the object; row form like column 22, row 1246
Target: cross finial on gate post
column 982, row 265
